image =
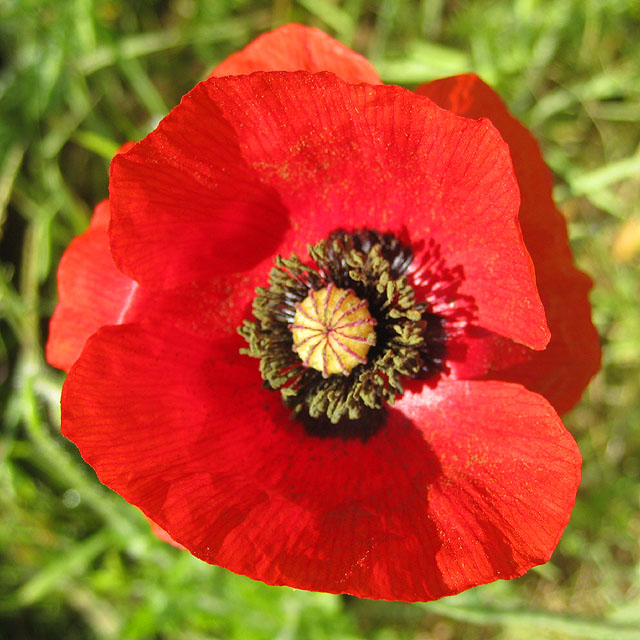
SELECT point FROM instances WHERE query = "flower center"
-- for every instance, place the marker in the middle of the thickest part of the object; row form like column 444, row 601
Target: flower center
column 352, row 310
column 333, row 331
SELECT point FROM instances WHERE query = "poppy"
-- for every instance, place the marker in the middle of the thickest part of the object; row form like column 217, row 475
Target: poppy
column 307, row 334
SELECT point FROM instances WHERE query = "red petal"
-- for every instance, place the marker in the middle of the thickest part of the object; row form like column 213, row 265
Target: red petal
column 562, row 371
column 353, row 156
column 185, row 206
column 477, row 488
column 294, row 47
column 507, row 482
column 91, row 290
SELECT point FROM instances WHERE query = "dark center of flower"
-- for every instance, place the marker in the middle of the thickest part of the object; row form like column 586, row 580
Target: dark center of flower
column 337, row 336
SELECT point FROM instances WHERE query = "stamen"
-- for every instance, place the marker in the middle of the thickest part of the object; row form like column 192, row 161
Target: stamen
column 351, row 310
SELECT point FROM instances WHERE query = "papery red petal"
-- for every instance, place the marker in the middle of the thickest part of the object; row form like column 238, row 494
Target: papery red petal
column 185, row 205
column 92, row 292
column 295, row 47
column 463, row 485
column 507, row 482
column 355, row 156
column 333, row 155
column 563, row 369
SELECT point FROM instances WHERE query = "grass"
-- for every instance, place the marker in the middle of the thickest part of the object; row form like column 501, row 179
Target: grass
column 81, row 77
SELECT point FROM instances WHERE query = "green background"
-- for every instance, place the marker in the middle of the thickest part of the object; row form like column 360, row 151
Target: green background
column 80, row 77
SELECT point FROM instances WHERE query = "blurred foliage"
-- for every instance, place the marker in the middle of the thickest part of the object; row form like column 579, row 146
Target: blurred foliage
column 80, row 77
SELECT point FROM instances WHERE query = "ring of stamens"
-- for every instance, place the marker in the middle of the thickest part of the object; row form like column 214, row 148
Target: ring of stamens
column 326, row 371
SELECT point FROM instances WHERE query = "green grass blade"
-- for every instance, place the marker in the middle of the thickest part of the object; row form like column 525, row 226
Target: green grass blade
column 573, row 626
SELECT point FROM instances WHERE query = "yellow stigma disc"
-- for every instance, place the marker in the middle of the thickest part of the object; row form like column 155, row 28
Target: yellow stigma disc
column 333, row 330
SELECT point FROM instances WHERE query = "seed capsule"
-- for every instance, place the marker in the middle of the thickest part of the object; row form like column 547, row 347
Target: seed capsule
column 333, row 330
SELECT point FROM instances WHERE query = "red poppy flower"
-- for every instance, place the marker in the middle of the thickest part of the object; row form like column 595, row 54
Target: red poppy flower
column 369, row 420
